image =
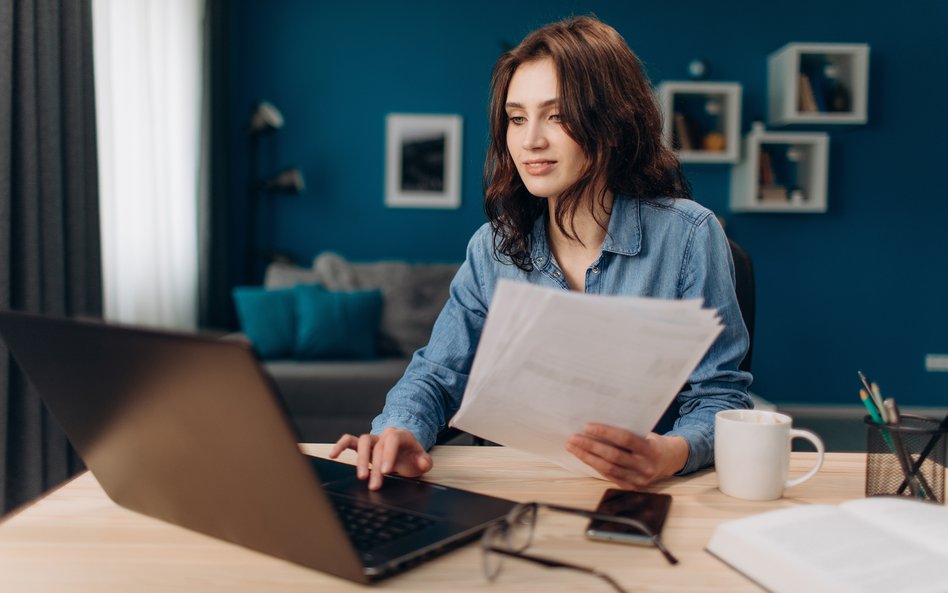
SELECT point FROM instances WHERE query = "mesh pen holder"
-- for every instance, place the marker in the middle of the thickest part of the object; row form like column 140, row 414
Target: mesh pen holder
column 906, row 459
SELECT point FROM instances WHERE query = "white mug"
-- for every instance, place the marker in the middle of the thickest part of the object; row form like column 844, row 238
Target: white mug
column 752, row 453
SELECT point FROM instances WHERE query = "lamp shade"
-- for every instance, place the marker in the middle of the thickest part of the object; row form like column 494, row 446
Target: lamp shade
column 266, row 117
column 288, row 181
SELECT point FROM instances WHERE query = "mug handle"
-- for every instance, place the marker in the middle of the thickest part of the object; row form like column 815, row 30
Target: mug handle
column 796, row 433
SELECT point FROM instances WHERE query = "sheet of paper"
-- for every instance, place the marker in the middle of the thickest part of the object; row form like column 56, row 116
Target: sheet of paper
column 839, row 548
column 549, row 361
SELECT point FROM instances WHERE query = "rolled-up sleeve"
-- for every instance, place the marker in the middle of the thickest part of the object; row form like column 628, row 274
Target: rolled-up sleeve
column 430, row 391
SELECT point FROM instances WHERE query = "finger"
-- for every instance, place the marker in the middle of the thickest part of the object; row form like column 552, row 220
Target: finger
column 618, row 436
column 411, row 459
column 375, row 478
column 606, row 451
column 363, row 454
column 622, row 476
column 346, row 441
column 415, row 463
column 389, row 455
column 423, row 462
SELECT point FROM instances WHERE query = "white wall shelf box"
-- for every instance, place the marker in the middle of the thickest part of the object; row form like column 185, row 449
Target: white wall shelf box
column 702, row 120
column 818, row 83
column 781, row 172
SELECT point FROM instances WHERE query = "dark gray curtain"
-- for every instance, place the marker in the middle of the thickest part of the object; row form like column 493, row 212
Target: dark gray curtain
column 216, row 309
column 49, row 218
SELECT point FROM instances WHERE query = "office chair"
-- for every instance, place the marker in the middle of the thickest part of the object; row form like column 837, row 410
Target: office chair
column 746, row 298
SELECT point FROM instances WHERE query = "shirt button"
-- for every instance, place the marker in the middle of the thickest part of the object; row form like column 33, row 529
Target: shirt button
column 539, row 260
column 596, row 270
column 557, row 274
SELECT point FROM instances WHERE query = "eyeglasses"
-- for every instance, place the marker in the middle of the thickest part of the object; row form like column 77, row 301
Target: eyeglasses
column 511, row 536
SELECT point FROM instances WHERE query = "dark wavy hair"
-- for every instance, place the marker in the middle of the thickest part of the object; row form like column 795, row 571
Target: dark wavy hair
column 606, row 105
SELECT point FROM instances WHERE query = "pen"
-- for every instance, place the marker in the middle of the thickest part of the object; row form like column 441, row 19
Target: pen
column 876, row 394
column 869, row 390
column 891, row 411
column 865, row 382
column 894, row 418
column 873, row 412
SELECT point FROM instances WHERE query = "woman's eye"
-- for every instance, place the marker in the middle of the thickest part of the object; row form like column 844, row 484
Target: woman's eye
column 517, row 119
column 556, row 118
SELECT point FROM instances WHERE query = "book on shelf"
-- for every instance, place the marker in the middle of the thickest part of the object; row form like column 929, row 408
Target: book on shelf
column 766, row 175
column 867, row 545
column 682, row 133
column 815, row 72
column 807, row 98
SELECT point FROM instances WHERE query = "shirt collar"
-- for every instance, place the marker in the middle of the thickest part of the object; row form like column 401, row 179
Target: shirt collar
column 624, row 235
column 625, row 227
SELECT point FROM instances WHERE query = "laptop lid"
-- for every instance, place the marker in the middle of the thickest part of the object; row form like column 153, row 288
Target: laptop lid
column 187, row 429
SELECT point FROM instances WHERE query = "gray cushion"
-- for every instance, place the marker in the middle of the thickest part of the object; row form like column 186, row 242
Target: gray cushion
column 284, row 275
column 412, row 295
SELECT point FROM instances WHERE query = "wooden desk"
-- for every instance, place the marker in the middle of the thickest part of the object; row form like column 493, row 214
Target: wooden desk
column 76, row 540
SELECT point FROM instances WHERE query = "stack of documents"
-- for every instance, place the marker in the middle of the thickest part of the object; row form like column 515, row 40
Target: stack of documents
column 549, row 361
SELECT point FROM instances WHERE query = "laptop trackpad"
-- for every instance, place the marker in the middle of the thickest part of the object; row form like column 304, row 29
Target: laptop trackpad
column 330, row 471
column 340, row 478
column 398, row 492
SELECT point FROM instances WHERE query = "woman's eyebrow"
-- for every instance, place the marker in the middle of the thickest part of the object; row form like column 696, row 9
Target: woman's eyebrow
column 547, row 103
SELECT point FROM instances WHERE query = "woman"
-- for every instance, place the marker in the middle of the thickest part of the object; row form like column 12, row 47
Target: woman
column 581, row 194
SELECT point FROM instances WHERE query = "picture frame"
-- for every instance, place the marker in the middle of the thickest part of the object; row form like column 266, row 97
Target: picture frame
column 422, row 161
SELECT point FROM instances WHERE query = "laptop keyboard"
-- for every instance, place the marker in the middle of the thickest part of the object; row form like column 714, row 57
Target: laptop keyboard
column 370, row 526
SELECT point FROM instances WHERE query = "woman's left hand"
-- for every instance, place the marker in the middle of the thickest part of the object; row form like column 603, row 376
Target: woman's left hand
column 629, row 460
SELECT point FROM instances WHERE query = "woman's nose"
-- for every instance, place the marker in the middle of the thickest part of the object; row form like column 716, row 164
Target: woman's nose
column 535, row 136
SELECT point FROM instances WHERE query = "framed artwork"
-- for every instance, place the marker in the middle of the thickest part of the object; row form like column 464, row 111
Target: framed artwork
column 422, row 161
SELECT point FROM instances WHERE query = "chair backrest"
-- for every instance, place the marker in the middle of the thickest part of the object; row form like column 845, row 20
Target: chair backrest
column 746, row 299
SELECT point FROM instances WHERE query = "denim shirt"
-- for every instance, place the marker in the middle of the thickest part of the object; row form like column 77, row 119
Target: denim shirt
column 666, row 248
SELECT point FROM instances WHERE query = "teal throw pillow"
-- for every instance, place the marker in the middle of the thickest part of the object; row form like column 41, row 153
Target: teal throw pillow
column 337, row 325
column 268, row 319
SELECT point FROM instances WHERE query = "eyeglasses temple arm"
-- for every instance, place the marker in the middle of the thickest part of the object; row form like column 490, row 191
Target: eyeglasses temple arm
column 551, row 563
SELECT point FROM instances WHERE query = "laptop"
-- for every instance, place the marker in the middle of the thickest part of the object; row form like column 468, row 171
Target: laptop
column 190, row 430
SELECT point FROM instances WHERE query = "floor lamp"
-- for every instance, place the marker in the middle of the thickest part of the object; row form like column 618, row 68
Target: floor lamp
column 265, row 120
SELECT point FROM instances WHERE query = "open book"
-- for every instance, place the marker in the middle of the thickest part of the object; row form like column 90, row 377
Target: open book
column 868, row 545
column 551, row 360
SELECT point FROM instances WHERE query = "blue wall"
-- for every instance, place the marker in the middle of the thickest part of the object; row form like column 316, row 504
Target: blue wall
column 861, row 287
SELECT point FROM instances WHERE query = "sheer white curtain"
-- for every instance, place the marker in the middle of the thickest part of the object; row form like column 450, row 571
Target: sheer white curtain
column 148, row 84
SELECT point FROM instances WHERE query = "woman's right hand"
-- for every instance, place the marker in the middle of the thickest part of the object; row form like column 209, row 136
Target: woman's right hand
column 396, row 449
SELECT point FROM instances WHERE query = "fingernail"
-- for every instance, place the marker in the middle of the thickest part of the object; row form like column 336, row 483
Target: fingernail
column 386, row 467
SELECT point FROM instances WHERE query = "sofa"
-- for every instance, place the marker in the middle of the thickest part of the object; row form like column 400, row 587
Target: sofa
column 328, row 397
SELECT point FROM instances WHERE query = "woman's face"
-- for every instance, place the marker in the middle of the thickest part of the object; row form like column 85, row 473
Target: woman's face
column 547, row 159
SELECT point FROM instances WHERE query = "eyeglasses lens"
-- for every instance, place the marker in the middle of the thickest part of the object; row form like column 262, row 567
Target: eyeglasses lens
column 520, row 527
column 495, row 536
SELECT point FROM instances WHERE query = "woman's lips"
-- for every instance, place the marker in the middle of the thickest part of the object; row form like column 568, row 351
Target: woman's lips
column 538, row 167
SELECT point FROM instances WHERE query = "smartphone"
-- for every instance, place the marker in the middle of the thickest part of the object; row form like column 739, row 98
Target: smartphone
column 649, row 508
